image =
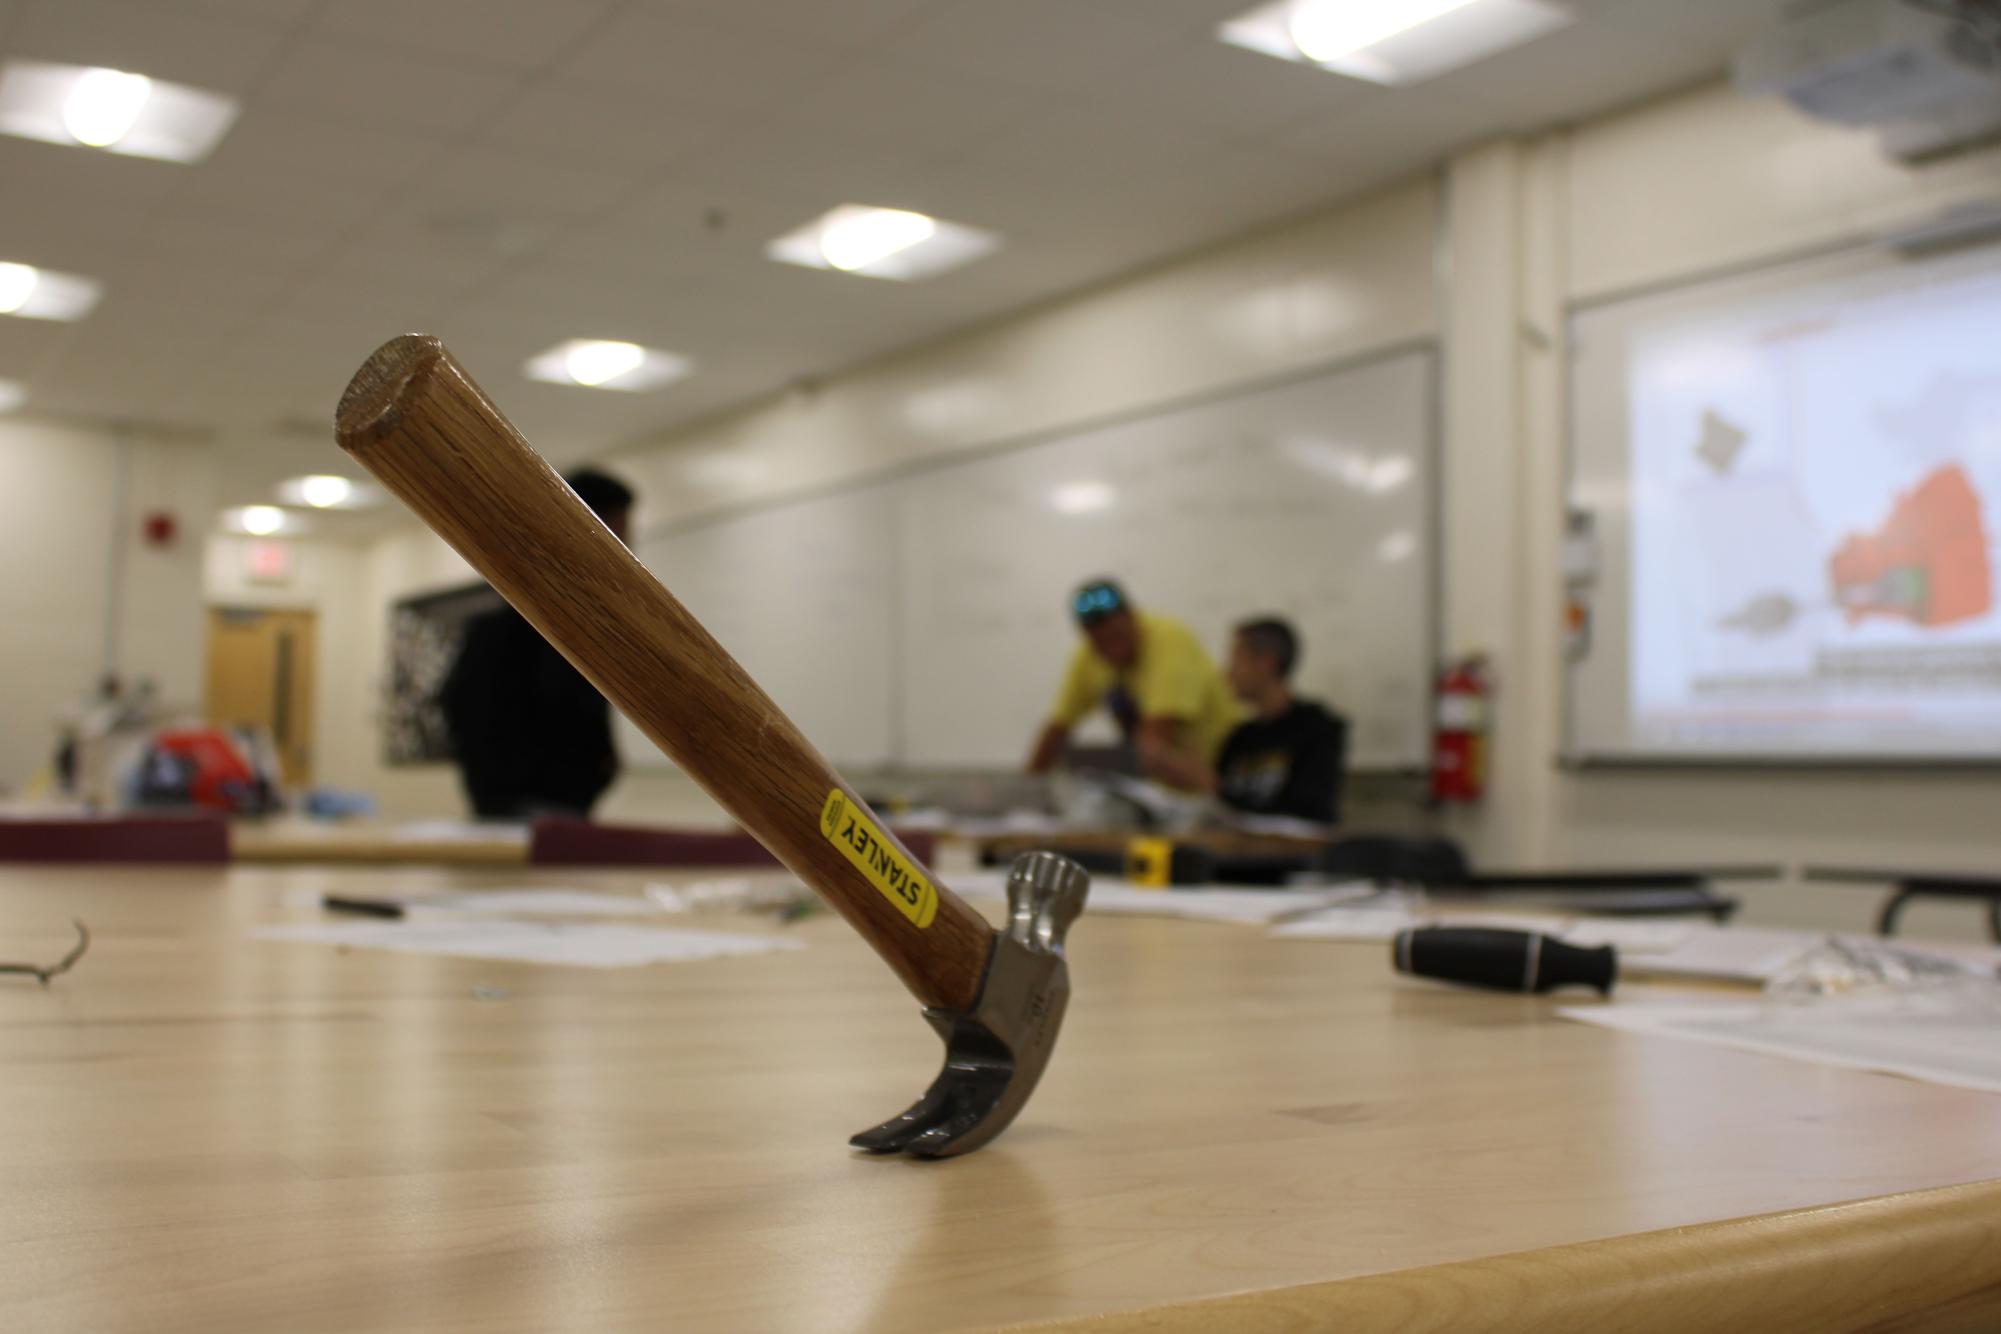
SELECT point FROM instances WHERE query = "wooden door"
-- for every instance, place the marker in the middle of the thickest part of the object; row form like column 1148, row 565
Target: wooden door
column 260, row 675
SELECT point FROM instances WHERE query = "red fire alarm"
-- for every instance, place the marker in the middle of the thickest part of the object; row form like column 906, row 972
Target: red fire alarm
column 161, row 528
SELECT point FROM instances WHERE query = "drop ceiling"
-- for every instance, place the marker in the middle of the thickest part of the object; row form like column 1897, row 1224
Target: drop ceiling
column 511, row 173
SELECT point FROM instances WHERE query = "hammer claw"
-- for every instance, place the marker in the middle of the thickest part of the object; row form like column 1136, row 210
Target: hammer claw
column 995, row 1053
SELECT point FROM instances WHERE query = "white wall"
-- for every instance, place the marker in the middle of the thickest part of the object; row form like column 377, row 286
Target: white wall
column 67, row 619
column 327, row 579
column 1340, row 283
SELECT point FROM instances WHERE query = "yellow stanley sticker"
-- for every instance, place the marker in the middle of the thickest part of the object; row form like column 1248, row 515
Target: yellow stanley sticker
column 849, row 828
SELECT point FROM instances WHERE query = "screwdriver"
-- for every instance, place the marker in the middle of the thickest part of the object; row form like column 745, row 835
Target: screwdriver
column 1502, row 960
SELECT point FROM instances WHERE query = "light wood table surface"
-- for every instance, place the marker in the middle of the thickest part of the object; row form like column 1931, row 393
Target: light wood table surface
column 200, row 1132
column 367, row 844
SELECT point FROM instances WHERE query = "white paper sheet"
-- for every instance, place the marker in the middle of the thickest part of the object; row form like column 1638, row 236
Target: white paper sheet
column 534, row 903
column 1112, row 895
column 586, row 945
column 1731, row 953
column 1630, row 937
column 1367, row 922
column 1921, row 1037
column 1640, row 942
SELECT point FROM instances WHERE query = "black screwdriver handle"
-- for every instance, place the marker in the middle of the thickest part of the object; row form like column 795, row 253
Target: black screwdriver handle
column 1502, row 960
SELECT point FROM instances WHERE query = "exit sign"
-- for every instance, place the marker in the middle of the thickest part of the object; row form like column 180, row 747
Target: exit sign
column 268, row 562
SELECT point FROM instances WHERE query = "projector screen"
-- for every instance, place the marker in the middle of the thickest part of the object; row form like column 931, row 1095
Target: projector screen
column 1793, row 482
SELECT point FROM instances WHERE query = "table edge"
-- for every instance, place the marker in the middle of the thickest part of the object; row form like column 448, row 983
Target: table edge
column 1925, row 1259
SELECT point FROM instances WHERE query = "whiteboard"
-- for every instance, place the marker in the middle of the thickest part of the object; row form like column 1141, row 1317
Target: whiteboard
column 1311, row 501
column 921, row 621
column 798, row 593
column 1795, row 478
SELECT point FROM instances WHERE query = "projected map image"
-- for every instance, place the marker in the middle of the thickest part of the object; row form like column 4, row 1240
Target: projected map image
column 1815, row 482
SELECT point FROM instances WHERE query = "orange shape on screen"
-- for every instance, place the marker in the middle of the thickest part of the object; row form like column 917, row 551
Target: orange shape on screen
column 1928, row 563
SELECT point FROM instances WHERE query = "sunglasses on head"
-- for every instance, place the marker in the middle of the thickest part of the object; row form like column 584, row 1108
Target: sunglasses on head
column 1097, row 601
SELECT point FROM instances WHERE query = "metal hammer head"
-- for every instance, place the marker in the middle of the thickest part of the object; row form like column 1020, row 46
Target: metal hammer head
column 996, row 1051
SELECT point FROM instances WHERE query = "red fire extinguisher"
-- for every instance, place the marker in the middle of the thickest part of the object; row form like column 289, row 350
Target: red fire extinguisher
column 1459, row 738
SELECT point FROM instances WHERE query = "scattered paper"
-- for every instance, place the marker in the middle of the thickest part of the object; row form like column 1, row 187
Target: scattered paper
column 534, row 903
column 1365, row 921
column 585, row 945
column 1936, row 1035
column 1112, row 895
column 1629, row 937
column 1732, row 953
column 1368, row 922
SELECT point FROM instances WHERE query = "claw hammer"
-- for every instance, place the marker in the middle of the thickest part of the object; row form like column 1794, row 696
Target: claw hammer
column 414, row 418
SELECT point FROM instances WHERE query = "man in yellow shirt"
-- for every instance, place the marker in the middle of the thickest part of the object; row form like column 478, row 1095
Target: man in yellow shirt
column 1163, row 690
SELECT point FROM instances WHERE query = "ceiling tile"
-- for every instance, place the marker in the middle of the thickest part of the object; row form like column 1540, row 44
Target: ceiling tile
column 863, row 130
column 181, row 45
column 539, row 307
column 1230, row 90
column 77, row 183
column 265, row 13
column 1186, row 17
column 76, row 240
column 303, row 210
column 367, row 84
column 1409, row 126
column 277, row 147
column 482, row 188
column 852, row 24
column 649, row 52
column 1715, row 27
column 217, row 241
column 1571, row 73
column 396, row 254
column 26, row 344
column 577, row 123
column 518, row 34
column 676, row 229
column 1048, row 44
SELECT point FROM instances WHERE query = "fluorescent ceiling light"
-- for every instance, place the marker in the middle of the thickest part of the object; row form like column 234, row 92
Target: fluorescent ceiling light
column 259, row 520
column 322, row 490
column 1391, row 41
column 17, row 284
column 103, row 105
column 599, row 363
column 12, row 395
column 44, row 294
column 881, row 243
column 111, row 109
column 854, row 241
column 593, row 363
column 1082, row 497
column 325, row 491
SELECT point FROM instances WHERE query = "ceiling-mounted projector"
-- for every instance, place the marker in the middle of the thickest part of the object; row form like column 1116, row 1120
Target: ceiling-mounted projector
column 1926, row 74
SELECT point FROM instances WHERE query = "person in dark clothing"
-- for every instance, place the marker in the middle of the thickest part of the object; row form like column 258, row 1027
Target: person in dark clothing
column 530, row 734
column 1289, row 759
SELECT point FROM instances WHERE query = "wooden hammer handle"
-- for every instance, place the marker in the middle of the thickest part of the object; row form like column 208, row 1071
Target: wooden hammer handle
column 415, row 419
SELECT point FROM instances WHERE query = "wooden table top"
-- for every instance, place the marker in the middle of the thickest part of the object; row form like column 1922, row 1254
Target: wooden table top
column 292, row 841
column 201, row 1132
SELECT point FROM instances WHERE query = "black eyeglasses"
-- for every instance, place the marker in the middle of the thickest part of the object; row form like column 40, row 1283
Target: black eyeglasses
column 68, row 961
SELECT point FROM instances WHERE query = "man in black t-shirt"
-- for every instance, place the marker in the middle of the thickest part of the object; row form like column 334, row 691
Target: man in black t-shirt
column 1290, row 757
column 531, row 736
